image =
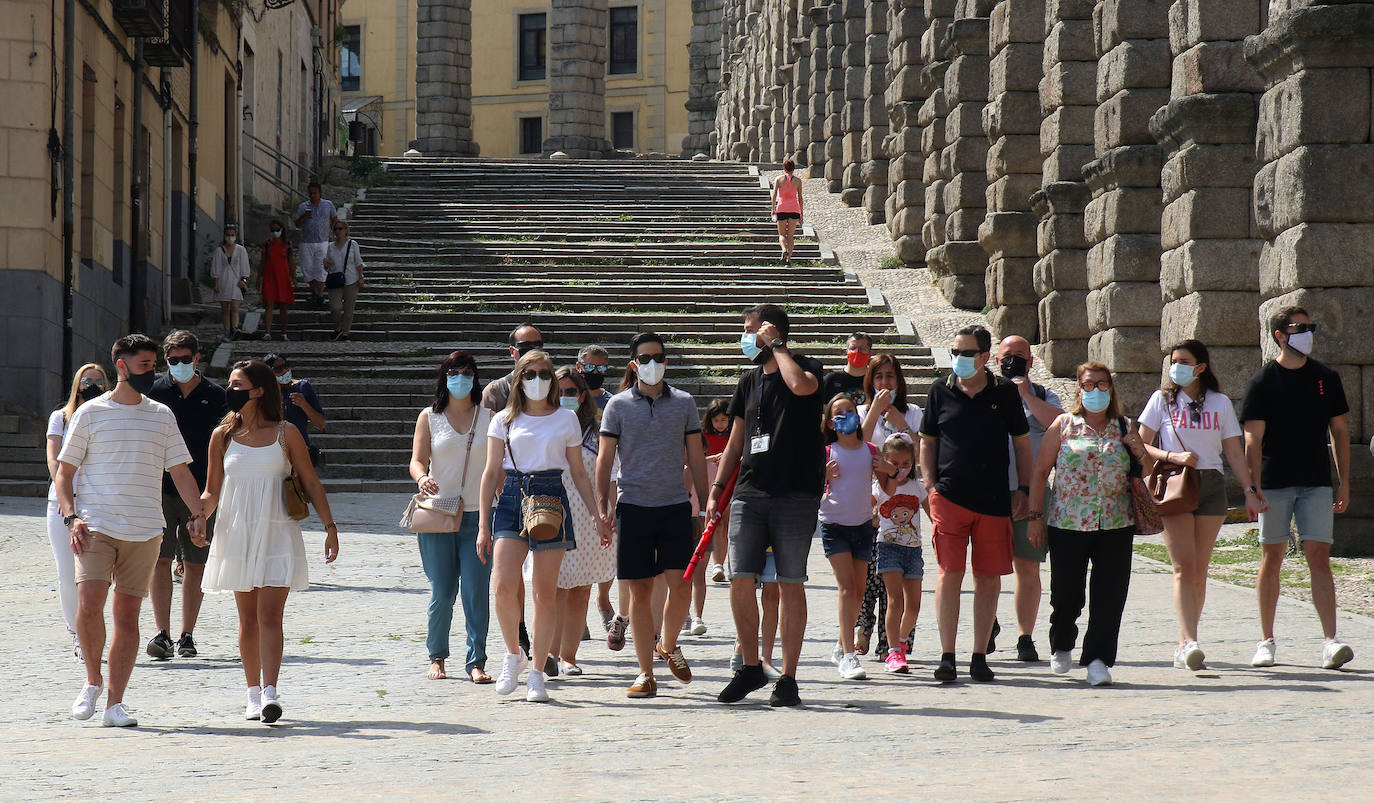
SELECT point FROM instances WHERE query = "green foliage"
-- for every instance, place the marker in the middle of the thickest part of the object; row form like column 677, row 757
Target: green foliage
column 890, row 262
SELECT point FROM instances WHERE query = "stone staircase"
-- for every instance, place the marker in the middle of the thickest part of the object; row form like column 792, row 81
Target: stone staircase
column 23, row 454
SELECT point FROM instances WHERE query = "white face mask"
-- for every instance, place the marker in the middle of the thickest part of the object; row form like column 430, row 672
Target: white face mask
column 651, row 373
column 275, row 234
column 1301, row 343
column 536, row 388
column 230, row 240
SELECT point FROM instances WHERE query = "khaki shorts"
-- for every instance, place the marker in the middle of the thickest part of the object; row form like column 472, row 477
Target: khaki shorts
column 128, row 563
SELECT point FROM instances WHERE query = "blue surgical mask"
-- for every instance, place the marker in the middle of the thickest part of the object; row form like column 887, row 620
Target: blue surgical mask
column 460, row 386
column 964, row 367
column 182, row 372
column 846, row 423
column 284, row 379
column 1182, row 375
column 1095, row 400
column 749, row 344
column 568, row 403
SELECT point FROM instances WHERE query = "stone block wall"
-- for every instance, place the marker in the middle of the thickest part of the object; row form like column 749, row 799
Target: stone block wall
column 906, row 91
column 835, row 101
column 853, row 123
column 703, row 63
column 577, row 78
column 873, row 148
column 935, row 52
column 443, row 78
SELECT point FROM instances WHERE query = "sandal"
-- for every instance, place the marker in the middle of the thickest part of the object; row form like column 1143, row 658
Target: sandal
column 267, row 337
column 479, row 675
column 436, row 670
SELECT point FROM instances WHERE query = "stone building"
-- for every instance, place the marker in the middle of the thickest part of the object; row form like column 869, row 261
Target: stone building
column 1103, row 177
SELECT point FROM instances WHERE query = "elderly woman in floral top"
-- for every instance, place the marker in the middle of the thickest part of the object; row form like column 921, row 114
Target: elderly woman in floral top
column 1089, row 518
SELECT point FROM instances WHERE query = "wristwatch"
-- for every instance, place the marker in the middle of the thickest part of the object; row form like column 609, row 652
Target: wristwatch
column 67, row 520
column 1025, row 489
column 777, row 343
column 1035, row 515
column 1252, row 490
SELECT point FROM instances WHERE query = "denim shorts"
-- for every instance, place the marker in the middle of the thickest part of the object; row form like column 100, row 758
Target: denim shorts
column 786, row 523
column 856, row 540
column 1311, row 507
column 505, row 518
column 901, row 558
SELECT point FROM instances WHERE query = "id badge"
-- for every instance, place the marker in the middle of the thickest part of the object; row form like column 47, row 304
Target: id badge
column 759, row 443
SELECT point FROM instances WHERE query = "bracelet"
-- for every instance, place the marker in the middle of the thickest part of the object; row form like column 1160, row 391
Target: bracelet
column 717, row 484
column 1035, row 515
column 331, row 526
column 1025, row 489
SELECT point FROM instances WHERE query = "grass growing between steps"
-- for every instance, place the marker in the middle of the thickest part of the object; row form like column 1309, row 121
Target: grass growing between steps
column 828, row 309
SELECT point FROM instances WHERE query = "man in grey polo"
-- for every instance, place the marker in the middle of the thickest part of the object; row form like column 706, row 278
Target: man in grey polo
column 655, row 431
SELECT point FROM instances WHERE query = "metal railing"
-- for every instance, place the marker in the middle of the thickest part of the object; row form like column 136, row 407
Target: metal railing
column 276, row 168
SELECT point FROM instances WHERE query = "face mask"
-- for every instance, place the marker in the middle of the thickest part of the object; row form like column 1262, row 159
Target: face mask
column 903, row 473
column 231, row 239
column 594, row 379
column 276, row 233
column 1181, row 375
column 964, row 367
column 142, row 382
column 756, row 354
column 236, row 398
column 1014, row 365
column 858, row 359
column 536, row 388
column 568, row 403
column 284, row 379
column 846, row 424
column 182, row 372
column 652, row 373
column 91, row 392
column 1301, row 343
column 1095, row 401
column 459, row 387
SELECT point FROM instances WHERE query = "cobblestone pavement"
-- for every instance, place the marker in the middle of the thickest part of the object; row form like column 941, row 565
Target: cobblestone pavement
column 362, row 721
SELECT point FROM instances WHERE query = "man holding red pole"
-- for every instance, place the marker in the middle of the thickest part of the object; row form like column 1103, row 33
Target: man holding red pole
column 776, row 441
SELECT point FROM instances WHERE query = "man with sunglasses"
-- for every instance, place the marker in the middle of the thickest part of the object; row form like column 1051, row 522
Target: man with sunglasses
column 592, row 363
column 300, row 405
column 654, row 429
column 523, row 338
column 1294, row 415
column 968, row 417
column 198, row 405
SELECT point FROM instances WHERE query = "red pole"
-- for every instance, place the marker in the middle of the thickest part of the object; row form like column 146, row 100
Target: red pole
column 707, row 535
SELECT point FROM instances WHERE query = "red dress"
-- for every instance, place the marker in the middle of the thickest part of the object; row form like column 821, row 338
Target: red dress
column 276, row 273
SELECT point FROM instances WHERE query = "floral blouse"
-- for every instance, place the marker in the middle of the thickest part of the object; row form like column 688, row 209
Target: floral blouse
column 1091, row 489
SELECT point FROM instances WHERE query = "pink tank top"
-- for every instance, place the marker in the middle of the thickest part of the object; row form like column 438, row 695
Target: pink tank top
column 788, row 200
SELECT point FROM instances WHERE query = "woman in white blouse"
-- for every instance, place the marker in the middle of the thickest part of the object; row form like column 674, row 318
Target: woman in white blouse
column 229, row 268
column 343, row 265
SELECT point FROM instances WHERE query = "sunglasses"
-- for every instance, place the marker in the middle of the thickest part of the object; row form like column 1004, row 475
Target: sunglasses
column 179, row 360
column 569, row 392
column 99, row 383
column 964, row 352
column 600, row 369
column 528, row 345
column 645, row 359
column 280, row 368
column 1299, row 328
column 461, row 372
column 543, row 374
column 1101, row 384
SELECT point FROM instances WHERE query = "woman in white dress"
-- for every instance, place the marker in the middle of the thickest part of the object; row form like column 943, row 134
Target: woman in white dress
column 258, row 552
column 89, row 383
column 592, row 563
column 229, row 268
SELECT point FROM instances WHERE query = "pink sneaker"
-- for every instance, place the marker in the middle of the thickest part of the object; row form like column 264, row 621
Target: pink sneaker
column 896, row 662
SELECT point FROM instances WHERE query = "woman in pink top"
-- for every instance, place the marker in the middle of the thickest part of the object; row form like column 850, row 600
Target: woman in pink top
column 787, row 208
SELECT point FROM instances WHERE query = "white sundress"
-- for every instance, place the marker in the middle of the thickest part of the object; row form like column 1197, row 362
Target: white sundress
column 256, row 545
column 589, row 563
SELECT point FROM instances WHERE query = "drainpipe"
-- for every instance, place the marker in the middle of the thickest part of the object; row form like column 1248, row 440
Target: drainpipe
column 166, row 204
column 193, row 135
column 68, row 177
column 138, row 276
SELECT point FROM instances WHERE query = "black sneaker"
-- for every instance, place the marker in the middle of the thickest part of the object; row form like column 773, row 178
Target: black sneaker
column 1025, row 650
column 161, row 646
column 784, row 693
column 992, row 639
column 747, row 679
column 979, row 670
column 945, row 672
column 524, row 641
column 186, row 646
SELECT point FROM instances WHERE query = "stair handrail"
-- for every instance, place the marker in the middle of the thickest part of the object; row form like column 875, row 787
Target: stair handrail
column 297, row 173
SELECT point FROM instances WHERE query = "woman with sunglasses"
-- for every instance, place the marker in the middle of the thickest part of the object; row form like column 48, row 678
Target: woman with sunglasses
column 89, row 383
column 446, row 461
column 530, row 444
column 229, row 268
column 1089, row 518
column 343, row 264
column 1196, row 425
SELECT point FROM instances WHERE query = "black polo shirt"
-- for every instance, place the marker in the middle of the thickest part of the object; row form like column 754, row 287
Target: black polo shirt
column 837, row 382
column 197, row 416
column 970, row 435
column 795, row 460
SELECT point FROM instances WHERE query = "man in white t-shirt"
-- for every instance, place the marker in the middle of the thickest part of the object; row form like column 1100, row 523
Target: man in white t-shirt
column 121, row 442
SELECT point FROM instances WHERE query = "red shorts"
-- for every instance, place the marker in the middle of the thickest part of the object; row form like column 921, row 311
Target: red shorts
column 955, row 526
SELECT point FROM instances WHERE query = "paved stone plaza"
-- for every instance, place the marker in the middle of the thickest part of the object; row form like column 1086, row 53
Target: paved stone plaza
column 362, row 721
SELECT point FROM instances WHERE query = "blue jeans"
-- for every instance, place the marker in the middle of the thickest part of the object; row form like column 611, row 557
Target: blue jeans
column 452, row 566
column 1311, row 507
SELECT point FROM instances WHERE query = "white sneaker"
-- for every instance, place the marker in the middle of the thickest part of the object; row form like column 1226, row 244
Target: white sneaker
column 117, row 716
column 1265, row 653
column 850, row 668
column 717, row 573
column 1190, row 656
column 686, row 626
column 271, row 706
column 698, row 626
column 511, row 668
column 84, row 706
column 536, row 692
column 1098, row 674
column 1335, row 654
column 1060, row 661
column 836, row 654
column 76, row 651
column 253, row 710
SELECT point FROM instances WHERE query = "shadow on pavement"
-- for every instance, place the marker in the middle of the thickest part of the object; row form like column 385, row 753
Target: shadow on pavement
column 363, row 589
column 358, row 729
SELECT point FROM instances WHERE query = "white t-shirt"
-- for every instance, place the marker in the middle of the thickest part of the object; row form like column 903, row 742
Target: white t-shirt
column 900, row 522
column 350, row 257
column 882, row 430
column 121, row 451
column 1216, row 424
column 57, row 425
column 539, row 442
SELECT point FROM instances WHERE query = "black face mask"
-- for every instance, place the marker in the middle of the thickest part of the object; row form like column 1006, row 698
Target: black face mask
column 593, row 379
column 91, row 392
column 142, row 382
column 236, row 398
column 1014, row 365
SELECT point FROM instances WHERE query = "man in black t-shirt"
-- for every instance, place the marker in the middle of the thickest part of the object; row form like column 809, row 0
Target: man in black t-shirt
column 777, row 444
column 1294, row 410
column 968, row 417
column 850, row 379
